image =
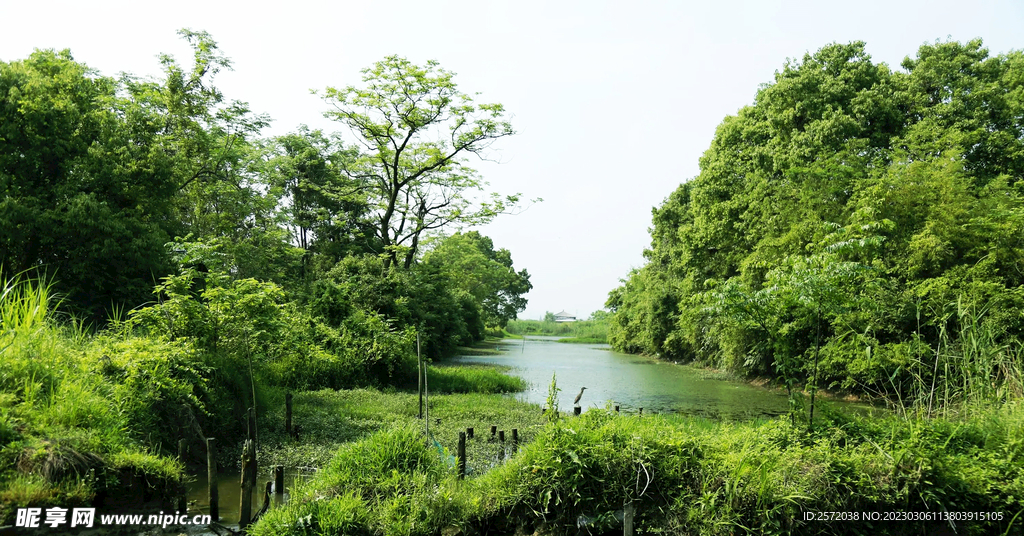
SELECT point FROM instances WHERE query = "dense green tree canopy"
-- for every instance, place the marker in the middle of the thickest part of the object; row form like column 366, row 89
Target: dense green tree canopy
column 909, row 179
column 85, row 186
column 470, row 260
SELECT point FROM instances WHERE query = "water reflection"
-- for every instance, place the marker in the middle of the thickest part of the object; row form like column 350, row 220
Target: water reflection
column 629, row 381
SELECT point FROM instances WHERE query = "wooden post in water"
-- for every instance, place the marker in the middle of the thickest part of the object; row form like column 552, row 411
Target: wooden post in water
column 576, row 410
column 494, row 430
column 616, row 409
column 248, row 481
column 515, row 438
column 211, row 472
column 628, row 510
column 462, row 455
column 501, row 436
column 183, row 500
column 641, row 411
column 279, row 480
column 469, row 432
column 288, row 414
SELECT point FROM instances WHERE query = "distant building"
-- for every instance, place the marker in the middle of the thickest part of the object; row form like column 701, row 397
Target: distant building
column 564, row 317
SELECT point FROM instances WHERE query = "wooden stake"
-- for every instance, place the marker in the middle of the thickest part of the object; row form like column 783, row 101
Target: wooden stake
column 462, row 455
column 211, row 471
column 494, row 430
column 279, row 480
column 469, row 432
column 251, row 423
column 576, row 410
column 247, row 483
column 616, row 409
column 501, row 436
column 627, row 519
column 182, row 501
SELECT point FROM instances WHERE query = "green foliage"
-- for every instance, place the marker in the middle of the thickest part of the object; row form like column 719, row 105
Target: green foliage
column 81, row 416
column 326, row 212
column 683, row 475
column 844, row 214
column 473, row 379
column 592, row 331
column 417, row 129
column 79, row 200
column 422, row 298
column 470, row 261
column 551, row 406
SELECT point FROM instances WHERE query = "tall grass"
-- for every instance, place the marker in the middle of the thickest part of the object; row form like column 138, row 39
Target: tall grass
column 474, row 379
column 66, row 430
column 684, row 476
column 971, row 366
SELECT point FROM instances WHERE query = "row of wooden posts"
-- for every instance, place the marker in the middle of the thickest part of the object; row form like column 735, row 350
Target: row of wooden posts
column 249, row 469
column 468, row 434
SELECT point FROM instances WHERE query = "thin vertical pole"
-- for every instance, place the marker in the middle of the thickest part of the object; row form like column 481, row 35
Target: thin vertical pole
column 419, row 376
column 248, row 480
column 251, row 423
column 426, row 399
column 182, row 501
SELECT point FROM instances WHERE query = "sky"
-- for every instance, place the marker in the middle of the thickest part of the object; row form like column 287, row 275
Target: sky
column 613, row 102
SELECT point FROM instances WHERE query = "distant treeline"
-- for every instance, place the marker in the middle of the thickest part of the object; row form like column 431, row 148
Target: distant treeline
column 856, row 222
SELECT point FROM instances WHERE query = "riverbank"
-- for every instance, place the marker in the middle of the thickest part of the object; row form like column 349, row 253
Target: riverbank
column 681, row 474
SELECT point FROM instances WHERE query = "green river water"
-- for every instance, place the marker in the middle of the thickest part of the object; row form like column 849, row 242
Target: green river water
column 629, row 381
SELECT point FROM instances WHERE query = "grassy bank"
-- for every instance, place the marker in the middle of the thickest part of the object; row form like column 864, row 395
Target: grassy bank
column 583, row 340
column 80, row 416
column 95, row 418
column 331, row 420
column 685, row 476
column 583, row 331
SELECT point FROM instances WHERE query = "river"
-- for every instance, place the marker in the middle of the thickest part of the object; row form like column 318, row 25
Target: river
column 629, row 381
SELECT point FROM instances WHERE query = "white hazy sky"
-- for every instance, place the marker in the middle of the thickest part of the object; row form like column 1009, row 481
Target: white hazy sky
column 614, row 102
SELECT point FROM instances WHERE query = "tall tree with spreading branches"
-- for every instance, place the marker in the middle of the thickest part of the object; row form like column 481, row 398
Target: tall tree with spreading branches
column 416, row 130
